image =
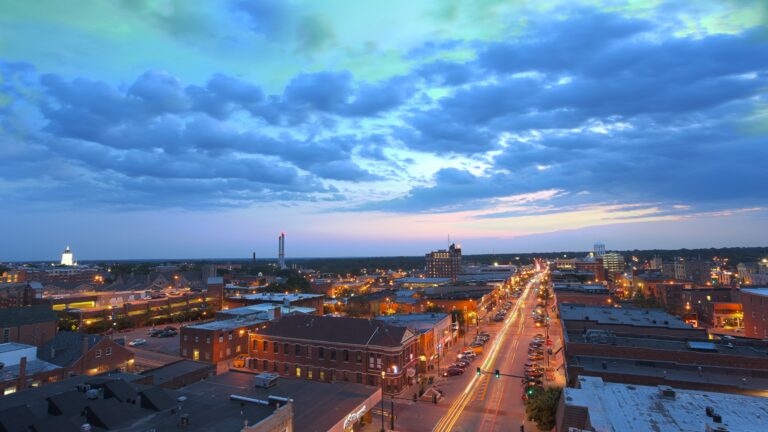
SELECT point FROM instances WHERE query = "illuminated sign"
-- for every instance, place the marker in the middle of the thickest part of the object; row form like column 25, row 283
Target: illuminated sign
column 353, row 418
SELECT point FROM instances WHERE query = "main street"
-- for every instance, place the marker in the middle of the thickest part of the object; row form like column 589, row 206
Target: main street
column 494, row 404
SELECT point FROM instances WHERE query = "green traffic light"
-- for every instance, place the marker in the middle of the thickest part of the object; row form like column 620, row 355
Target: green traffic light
column 478, row 372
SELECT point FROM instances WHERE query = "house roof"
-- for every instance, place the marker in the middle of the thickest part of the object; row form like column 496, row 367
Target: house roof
column 120, row 390
column 66, row 348
column 16, row 418
column 12, row 317
column 67, row 403
column 356, row 331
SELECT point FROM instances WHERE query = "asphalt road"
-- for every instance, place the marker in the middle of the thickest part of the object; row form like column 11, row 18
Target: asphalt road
column 494, row 404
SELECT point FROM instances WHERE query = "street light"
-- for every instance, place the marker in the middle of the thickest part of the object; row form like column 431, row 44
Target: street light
column 383, row 374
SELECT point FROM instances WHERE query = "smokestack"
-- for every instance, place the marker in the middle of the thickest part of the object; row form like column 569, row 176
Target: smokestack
column 281, row 251
column 254, row 257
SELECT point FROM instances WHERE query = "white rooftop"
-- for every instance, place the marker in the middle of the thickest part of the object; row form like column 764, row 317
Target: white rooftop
column 230, row 324
column 634, row 408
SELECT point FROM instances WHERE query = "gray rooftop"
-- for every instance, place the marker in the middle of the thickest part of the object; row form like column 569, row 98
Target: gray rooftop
column 635, row 408
column 230, row 324
column 674, row 345
column 623, row 316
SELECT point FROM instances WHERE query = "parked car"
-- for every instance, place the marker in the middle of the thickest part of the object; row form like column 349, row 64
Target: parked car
column 460, row 365
column 166, row 333
column 453, row 372
column 137, row 342
column 535, row 357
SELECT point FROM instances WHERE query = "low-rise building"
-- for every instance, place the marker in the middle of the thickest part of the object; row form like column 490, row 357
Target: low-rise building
column 625, row 321
column 32, row 325
column 218, row 341
column 21, row 369
column 433, row 331
column 87, row 354
column 236, row 300
column 332, row 349
column 599, row 406
column 754, row 302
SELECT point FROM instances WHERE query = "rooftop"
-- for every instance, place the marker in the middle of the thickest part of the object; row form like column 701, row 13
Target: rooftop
column 170, row 371
column 656, row 343
column 417, row 280
column 318, row 406
column 356, row 331
column 629, row 408
column 266, row 307
column 743, row 380
column 230, row 324
column 279, row 297
column 623, row 316
column 12, row 317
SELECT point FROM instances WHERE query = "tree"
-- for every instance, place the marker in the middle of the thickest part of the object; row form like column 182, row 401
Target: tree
column 541, row 407
column 434, row 308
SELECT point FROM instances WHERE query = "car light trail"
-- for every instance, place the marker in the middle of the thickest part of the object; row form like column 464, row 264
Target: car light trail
column 447, row 422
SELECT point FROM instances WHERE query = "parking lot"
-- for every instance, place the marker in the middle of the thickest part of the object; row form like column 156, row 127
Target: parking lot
column 164, row 345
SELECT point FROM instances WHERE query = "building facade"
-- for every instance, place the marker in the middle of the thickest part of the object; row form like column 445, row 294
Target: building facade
column 754, row 302
column 444, row 263
column 331, row 349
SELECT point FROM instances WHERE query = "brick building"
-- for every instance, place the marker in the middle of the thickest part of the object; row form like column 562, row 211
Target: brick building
column 217, row 341
column 336, row 349
column 754, row 302
column 31, row 325
column 85, row 354
column 22, row 369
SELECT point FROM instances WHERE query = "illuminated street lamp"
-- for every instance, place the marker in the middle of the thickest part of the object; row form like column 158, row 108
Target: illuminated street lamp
column 383, row 375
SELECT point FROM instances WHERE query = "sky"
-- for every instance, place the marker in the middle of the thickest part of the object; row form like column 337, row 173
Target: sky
column 176, row 129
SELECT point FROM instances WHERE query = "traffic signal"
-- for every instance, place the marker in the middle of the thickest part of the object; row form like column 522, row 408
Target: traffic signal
column 498, row 375
column 479, row 372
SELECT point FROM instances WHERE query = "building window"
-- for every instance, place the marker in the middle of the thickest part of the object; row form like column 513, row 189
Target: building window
column 221, row 338
column 321, row 353
column 183, row 352
column 197, row 339
column 208, row 340
column 237, row 348
column 298, row 372
column 359, row 356
column 274, row 367
column 286, row 368
column 230, row 336
column 185, row 338
column 309, row 373
column 286, row 349
column 265, row 363
column 333, row 354
column 6, row 335
column 9, row 390
column 378, row 361
column 207, row 356
column 297, row 350
column 322, row 375
column 265, row 346
column 346, row 355
column 108, row 351
column 98, row 353
column 359, row 378
column 195, row 354
column 275, row 348
column 371, row 361
column 229, row 351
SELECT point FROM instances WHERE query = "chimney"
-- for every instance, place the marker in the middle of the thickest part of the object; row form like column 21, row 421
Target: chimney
column 22, row 373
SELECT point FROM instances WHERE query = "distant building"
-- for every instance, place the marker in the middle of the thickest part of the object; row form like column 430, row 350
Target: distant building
column 67, row 259
column 329, row 349
column 613, row 262
column 602, row 407
column 281, row 251
column 599, row 249
column 444, row 263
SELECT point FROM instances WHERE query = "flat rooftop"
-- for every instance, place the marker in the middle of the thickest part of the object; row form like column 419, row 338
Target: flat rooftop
column 318, row 406
column 265, row 307
column 635, row 408
column 416, row 280
column 279, row 297
column 230, row 324
column 673, row 345
column 622, row 316
column 720, row 376
column 173, row 370
column 14, row 346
